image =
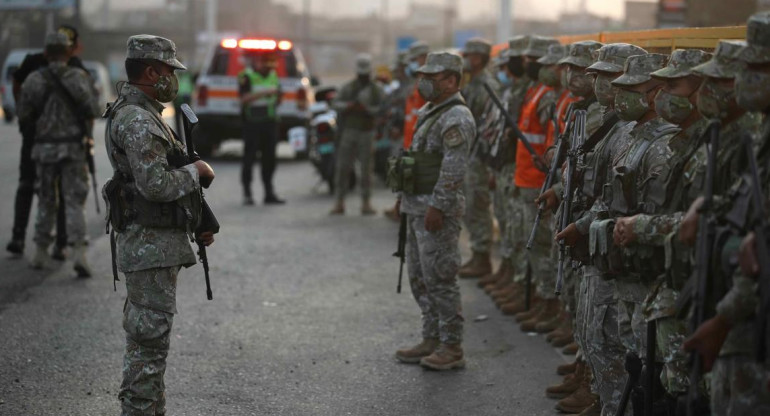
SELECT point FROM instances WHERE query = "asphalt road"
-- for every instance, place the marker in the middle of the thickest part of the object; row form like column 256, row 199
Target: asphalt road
column 304, row 321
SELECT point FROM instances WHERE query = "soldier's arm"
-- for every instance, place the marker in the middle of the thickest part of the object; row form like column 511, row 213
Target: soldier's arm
column 740, row 302
column 374, row 106
column 146, row 151
column 28, row 107
column 343, row 100
column 456, row 139
column 83, row 91
column 653, row 229
column 545, row 107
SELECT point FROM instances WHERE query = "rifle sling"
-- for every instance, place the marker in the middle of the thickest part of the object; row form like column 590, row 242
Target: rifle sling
column 599, row 134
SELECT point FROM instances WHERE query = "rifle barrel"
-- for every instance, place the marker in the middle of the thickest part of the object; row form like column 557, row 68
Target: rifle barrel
column 511, row 122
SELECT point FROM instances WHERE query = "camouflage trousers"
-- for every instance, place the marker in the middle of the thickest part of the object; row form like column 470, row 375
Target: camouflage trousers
column 596, row 331
column 539, row 256
column 478, row 218
column 632, row 327
column 518, row 233
column 739, row 386
column 670, row 334
column 354, row 145
column 148, row 315
column 70, row 179
column 502, row 195
column 433, row 259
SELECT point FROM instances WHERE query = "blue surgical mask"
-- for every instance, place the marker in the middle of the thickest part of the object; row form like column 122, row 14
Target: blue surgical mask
column 504, row 79
column 411, row 69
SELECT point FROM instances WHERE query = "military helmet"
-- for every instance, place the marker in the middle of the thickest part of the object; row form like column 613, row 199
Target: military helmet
column 153, row 47
column 418, row 48
column 581, row 53
column 538, row 46
column 438, row 62
column 638, row 69
column 477, row 45
column 555, row 53
column 723, row 64
column 501, row 58
column 757, row 46
column 681, row 63
column 517, row 45
column 612, row 57
column 363, row 64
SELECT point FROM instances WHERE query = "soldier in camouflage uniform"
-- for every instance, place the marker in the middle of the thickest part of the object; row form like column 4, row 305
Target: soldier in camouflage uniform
column 739, row 384
column 61, row 103
column 478, row 218
column 149, row 163
column 357, row 104
column 434, row 208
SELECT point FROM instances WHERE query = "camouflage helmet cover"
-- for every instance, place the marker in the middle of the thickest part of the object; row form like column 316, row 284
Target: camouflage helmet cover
column 581, row 53
column 681, row 63
column 153, row 47
column 638, row 69
column 612, row 57
column 724, row 63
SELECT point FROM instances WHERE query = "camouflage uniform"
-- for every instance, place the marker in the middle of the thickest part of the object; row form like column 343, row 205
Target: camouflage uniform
column 478, row 218
column 434, row 257
column 357, row 129
column 138, row 142
column 59, row 150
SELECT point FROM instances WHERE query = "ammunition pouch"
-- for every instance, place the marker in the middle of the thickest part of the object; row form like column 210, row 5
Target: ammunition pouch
column 414, row 173
column 605, row 255
column 623, row 188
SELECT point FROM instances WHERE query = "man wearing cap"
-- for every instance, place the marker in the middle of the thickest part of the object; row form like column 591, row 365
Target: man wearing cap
column 417, row 55
column 260, row 92
column 478, row 219
column 729, row 339
column 26, row 188
column 504, row 286
column 59, row 103
column 152, row 179
column 434, row 207
column 357, row 105
column 596, row 314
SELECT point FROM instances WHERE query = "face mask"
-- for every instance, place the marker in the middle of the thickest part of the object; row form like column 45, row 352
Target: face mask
column 532, row 69
column 467, row 64
column 504, row 79
column 411, row 69
column 547, row 75
column 167, row 86
column 714, row 101
column 752, row 90
column 516, row 66
column 631, row 105
column 428, row 89
column 673, row 108
column 605, row 92
column 579, row 83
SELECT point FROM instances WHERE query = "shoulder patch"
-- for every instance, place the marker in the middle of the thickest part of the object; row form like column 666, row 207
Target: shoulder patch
column 453, row 137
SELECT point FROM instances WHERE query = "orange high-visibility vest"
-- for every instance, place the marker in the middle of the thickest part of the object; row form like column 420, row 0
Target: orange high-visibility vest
column 562, row 105
column 414, row 102
column 527, row 175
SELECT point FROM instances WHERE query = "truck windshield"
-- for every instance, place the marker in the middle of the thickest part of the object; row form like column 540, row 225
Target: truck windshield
column 231, row 61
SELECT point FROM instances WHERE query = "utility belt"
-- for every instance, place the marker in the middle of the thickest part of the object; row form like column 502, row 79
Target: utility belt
column 414, row 172
column 642, row 261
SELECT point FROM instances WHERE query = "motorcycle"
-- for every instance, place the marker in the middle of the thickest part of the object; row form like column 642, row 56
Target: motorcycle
column 322, row 143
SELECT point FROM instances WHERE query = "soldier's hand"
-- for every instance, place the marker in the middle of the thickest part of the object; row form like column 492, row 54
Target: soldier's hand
column 205, row 238
column 549, row 198
column 624, row 234
column 708, row 339
column 688, row 230
column 570, row 235
column 540, row 164
column 205, row 173
column 434, row 219
column 492, row 182
column 549, row 155
column 747, row 256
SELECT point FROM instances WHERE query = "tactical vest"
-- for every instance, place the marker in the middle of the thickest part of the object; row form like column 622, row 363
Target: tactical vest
column 527, row 175
column 416, row 172
column 262, row 109
column 125, row 205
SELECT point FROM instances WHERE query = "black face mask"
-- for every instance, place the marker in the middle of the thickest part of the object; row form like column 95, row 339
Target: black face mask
column 516, row 66
column 533, row 69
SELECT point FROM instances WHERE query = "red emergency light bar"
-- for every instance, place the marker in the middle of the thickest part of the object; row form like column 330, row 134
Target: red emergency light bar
column 257, row 44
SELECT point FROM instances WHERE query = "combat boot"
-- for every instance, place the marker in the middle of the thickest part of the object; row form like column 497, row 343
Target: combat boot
column 566, row 339
column 42, row 258
column 59, row 252
column 593, row 410
column 512, row 296
column 570, row 384
column 414, row 354
column 552, row 324
column 339, row 209
column 581, row 399
column 391, row 214
column 366, row 208
column 81, row 265
column 493, row 278
column 534, row 309
column 446, row 357
column 571, row 348
column 479, row 265
column 519, row 305
column 565, row 369
column 15, row 246
column 501, row 288
column 551, row 309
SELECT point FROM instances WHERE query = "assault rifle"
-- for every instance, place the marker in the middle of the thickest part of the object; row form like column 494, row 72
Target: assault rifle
column 401, row 250
column 561, row 145
column 92, row 169
column 578, row 137
column 758, row 224
column 208, row 222
column 537, row 159
column 706, row 237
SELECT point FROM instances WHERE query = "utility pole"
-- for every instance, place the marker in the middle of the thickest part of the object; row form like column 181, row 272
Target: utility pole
column 211, row 21
column 504, row 21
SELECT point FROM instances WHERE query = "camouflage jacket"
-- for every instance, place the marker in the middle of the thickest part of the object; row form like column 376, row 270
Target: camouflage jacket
column 369, row 95
column 137, row 142
column 450, row 134
column 476, row 96
column 58, row 133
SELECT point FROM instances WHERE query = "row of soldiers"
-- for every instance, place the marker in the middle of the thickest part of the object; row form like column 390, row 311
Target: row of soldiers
column 631, row 242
